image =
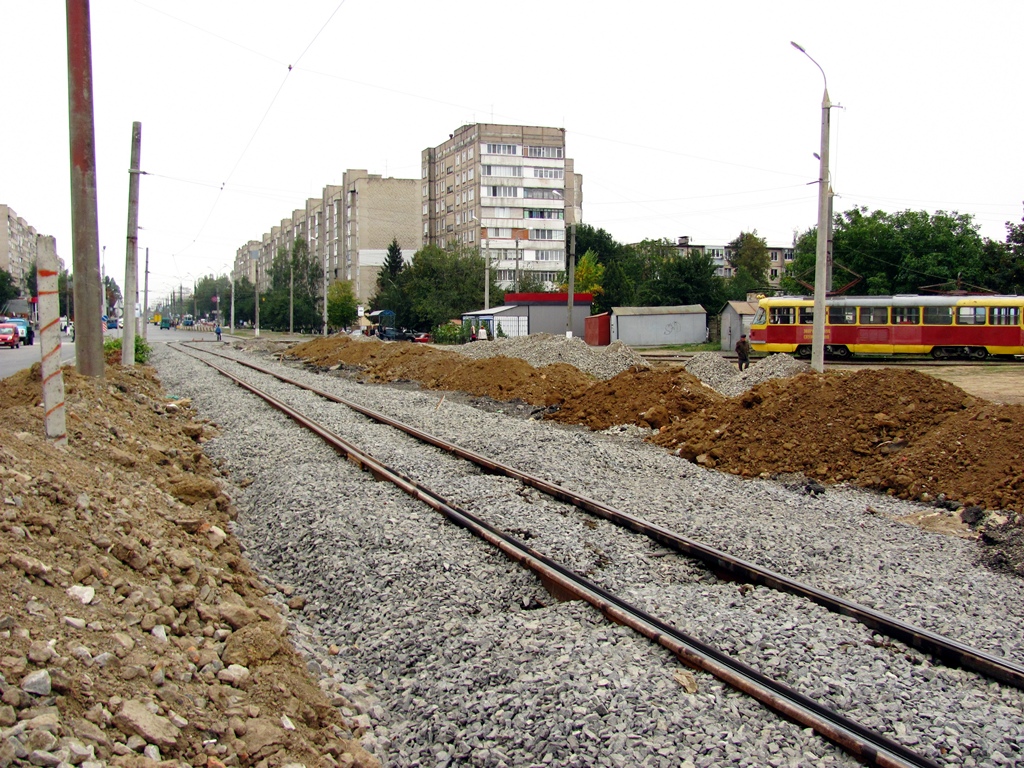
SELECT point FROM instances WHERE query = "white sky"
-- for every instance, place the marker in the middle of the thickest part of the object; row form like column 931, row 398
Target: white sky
column 685, row 118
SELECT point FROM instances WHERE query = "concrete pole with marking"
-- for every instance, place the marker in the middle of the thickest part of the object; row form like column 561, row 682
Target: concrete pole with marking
column 131, row 262
column 54, row 418
column 145, row 300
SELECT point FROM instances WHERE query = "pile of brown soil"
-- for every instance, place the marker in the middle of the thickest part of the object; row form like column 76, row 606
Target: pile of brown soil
column 128, row 601
column 648, row 398
column 500, row 378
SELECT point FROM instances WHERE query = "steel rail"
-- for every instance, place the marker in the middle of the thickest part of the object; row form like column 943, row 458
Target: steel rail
column 858, row 740
column 948, row 650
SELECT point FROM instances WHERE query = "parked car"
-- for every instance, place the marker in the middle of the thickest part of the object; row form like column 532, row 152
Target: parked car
column 422, row 338
column 10, row 336
column 165, row 322
column 25, row 329
column 111, row 323
column 394, row 334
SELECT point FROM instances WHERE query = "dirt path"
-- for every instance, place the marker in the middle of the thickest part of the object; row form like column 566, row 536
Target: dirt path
column 998, row 384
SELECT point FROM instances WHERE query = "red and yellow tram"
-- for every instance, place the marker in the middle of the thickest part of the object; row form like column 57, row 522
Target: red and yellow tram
column 942, row 326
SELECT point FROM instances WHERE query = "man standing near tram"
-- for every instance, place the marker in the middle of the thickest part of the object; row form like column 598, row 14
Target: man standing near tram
column 743, row 352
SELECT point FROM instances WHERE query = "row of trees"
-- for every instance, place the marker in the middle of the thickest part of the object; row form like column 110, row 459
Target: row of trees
column 912, row 252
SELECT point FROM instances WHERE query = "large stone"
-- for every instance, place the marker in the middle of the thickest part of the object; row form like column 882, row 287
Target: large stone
column 37, row 683
column 260, row 734
column 135, row 718
column 237, row 615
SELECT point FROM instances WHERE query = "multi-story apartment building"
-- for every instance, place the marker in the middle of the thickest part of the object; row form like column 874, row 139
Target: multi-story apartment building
column 17, row 246
column 348, row 230
column 780, row 256
column 508, row 190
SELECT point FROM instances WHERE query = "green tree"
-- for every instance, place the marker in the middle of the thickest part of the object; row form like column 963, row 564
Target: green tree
column 439, row 284
column 904, row 252
column 295, row 281
column 342, row 309
column 750, row 259
column 691, row 278
column 1004, row 262
column 588, row 277
column 393, row 262
column 111, row 294
column 8, row 287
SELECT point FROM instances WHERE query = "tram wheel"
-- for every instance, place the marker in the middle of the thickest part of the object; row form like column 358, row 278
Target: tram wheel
column 841, row 352
column 978, row 353
column 938, row 353
column 803, row 350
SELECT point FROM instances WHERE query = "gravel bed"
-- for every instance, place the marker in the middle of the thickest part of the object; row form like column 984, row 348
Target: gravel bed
column 541, row 349
column 453, row 656
column 721, row 375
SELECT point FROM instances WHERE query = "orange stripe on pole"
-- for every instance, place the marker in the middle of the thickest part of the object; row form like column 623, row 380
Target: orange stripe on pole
column 50, row 376
column 48, row 293
column 50, row 354
column 56, row 407
column 47, row 272
column 49, row 325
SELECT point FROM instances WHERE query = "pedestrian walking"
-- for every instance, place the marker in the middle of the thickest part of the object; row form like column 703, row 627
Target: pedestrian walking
column 217, row 331
column 743, row 352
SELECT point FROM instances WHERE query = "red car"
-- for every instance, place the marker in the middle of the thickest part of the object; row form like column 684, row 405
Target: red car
column 10, row 336
column 423, row 338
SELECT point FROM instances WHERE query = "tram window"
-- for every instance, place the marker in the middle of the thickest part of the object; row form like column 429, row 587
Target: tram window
column 842, row 315
column 759, row 317
column 874, row 315
column 906, row 315
column 806, row 315
column 938, row 315
column 783, row 315
column 1004, row 315
column 970, row 315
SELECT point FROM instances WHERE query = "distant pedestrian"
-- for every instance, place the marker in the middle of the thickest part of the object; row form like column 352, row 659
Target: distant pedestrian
column 743, row 352
column 217, row 331
column 481, row 335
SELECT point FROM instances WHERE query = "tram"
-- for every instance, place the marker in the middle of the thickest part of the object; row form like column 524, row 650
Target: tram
column 972, row 327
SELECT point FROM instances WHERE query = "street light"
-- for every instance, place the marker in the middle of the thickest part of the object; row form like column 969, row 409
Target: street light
column 821, row 254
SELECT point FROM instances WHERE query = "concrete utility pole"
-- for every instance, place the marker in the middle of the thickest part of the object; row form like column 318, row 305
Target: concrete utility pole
column 487, row 274
column 291, row 295
column 54, row 420
column 232, row 326
column 327, row 280
column 821, row 254
column 572, row 279
column 145, row 301
column 256, row 333
column 517, row 265
column 131, row 261
column 84, row 217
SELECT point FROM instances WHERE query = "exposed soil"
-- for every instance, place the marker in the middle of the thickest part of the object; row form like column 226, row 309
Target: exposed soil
column 127, row 602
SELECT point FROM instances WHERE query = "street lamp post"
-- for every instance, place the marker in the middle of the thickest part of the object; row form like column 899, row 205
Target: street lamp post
column 821, row 254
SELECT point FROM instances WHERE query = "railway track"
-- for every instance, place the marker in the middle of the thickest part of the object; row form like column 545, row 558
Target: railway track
column 859, row 741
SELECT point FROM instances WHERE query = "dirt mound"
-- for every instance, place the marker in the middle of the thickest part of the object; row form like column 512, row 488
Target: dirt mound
column 126, row 600
column 643, row 397
column 878, row 428
column 500, row 378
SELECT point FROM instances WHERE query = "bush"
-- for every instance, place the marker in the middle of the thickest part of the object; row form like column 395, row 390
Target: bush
column 142, row 349
column 447, row 334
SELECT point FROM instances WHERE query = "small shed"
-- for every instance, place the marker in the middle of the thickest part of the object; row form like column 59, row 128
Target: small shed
column 598, row 330
column 658, row 326
column 736, row 319
column 526, row 313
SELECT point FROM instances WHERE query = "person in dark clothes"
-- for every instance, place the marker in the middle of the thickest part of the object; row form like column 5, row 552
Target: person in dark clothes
column 743, row 352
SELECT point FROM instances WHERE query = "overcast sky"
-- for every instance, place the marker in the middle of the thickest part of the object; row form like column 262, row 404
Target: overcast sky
column 684, row 118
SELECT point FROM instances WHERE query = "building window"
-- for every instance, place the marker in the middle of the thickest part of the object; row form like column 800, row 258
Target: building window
column 502, row 170
column 501, row 149
column 499, row 191
column 547, row 234
column 501, row 232
column 550, row 254
column 548, row 173
column 501, row 213
column 554, row 153
column 540, row 193
column 543, row 213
